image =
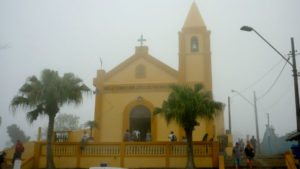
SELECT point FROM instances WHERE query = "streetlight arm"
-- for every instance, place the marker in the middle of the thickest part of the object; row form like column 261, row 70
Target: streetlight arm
column 234, row 91
column 272, row 47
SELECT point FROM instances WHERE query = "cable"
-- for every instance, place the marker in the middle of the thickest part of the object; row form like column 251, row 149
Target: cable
column 262, row 77
column 274, row 81
column 279, row 99
column 273, row 84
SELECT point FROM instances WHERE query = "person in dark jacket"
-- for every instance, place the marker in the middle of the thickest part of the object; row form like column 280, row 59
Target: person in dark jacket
column 2, row 158
column 249, row 152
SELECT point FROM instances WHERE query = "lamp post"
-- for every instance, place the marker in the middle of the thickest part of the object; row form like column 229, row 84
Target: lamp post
column 293, row 64
column 229, row 115
column 255, row 113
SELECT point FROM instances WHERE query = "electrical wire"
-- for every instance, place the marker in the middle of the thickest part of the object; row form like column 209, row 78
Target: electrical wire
column 279, row 99
column 262, row 77
column 273, row 84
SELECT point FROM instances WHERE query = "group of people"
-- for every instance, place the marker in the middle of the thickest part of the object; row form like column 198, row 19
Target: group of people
column 239, row 152
column 19, row 149
column 135, row 135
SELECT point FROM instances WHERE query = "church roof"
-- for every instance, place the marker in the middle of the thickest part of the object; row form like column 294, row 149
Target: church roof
column 140, row 54
column 194, row 18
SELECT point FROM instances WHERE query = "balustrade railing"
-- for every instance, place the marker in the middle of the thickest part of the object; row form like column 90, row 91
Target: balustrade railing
column 145, row 149
column 130, row 149
column 121, row 153
column 101, row 150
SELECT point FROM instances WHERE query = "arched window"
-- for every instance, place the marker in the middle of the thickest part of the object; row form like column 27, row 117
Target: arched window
column 140, row 71
column 194, row 44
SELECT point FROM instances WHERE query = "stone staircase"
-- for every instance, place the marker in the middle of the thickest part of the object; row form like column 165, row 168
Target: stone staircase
column 260, row 162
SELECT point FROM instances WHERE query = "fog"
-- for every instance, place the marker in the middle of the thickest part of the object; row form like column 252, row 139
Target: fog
column 72, row 35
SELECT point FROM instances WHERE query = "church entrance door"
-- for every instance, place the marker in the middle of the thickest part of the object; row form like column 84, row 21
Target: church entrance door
column 140, row 119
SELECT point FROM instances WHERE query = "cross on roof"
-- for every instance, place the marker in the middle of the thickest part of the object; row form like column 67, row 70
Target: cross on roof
column 141, row 40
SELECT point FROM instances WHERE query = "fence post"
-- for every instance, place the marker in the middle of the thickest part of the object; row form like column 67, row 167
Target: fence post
column 78, row 154
column 167, row 155
column 215, row 154
column 122, row 154
column 37, row 153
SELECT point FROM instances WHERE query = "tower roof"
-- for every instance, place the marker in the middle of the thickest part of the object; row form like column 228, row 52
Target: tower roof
column 194, row 18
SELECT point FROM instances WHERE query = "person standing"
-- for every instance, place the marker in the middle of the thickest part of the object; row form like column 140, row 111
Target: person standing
column 253, row 143
column 184, row 139
column 84, row 140
column 172, row 136
column 18, row 154
column 127, row 136
column 148, row 136
column 2, row 158
column 237, row 152
column 242, row 144
column 136, row 135
column 249, row 153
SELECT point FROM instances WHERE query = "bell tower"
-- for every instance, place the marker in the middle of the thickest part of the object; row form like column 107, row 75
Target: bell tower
column 194, row 50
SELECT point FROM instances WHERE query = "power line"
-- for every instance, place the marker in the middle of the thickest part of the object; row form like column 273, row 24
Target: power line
column 279, row 98
column 262, row 77
column 273, row 84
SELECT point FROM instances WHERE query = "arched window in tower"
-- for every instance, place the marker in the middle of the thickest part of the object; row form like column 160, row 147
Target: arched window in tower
column 194, row 44
column 140, row 71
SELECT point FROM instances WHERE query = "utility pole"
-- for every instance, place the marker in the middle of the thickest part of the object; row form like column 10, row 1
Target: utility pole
column 269, row 135
column 268, row 116
column 295, row 74
column 229, row 115
column 256, row 123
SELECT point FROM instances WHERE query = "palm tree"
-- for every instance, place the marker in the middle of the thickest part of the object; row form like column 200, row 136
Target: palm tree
column 91, row 124
column 45, row 96
column 185, row 105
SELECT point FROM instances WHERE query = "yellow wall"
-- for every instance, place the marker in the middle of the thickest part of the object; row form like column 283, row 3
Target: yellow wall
column 112, row 130
column 153, row 74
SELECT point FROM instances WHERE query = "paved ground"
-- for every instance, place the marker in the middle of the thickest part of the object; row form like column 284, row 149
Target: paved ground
column 261, row 161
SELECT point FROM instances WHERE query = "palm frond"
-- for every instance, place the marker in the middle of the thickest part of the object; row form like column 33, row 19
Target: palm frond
column 185, row 104
column 91, row 123
column 19, row 102
column 33, row 115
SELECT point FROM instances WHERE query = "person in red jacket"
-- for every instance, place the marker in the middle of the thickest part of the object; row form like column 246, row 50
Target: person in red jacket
column 18, row 151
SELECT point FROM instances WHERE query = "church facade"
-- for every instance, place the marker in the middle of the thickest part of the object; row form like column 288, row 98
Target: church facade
column 127, row 95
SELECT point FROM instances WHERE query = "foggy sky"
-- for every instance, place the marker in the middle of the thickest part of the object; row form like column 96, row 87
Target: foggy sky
column 71, row 35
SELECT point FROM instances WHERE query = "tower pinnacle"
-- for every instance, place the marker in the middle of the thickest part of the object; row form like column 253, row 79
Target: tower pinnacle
column 194, row 18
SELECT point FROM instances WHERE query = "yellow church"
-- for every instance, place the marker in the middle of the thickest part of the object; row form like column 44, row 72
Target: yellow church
column 127, row 95
column 125, row 99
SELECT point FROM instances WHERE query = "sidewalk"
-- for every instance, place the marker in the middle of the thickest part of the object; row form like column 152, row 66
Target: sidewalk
column 261, row 161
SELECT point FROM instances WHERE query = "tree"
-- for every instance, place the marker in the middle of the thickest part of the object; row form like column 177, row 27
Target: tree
column 45, row 96
column 91, row 124
column 15, row 133
column 185, row 105
column 66, row 122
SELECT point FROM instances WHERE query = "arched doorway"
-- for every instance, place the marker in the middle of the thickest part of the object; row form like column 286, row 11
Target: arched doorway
column 140, row 119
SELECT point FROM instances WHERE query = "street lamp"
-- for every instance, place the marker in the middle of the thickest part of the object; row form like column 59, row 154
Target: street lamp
column 255, row 113
column 293, row 64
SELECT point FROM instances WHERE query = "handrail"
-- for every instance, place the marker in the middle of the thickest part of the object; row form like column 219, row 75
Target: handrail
column 289, row 160
column 27, row 161
column 221, row 162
